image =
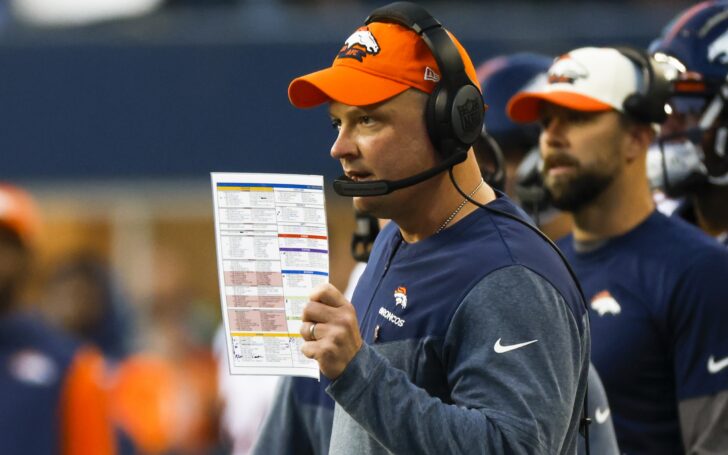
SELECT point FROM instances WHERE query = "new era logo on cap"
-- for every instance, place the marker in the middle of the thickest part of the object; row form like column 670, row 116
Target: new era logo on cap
column 431, row 75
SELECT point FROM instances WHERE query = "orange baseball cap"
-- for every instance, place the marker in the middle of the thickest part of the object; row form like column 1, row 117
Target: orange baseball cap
column 19, row 213
column 377, row 62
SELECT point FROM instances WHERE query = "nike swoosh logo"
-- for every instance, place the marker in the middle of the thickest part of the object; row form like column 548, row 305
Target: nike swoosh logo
column 500, row 349
column 714, row 367
column 601, row 416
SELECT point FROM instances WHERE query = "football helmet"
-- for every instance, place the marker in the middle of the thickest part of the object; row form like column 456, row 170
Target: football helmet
column 691, row 150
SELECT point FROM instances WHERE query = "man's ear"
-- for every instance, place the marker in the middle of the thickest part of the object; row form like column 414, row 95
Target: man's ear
column 639, row 138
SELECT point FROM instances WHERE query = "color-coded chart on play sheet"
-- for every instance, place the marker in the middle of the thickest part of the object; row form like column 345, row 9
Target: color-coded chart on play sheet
column 272, row 250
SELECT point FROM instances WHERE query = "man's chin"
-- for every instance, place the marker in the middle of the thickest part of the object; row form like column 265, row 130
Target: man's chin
column 368, row 205
column 572, row 199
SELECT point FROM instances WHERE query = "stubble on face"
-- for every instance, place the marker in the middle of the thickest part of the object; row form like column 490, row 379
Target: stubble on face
column 583, row 164
column 572, row 192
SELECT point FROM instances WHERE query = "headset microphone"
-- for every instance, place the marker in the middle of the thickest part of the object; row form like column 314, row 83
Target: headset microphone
column 344, row 186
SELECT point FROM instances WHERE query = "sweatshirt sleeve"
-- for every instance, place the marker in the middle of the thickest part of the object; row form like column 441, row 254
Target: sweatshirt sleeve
column 516, row 363
column 299, row 421
column 602, row 438
column 699, row 316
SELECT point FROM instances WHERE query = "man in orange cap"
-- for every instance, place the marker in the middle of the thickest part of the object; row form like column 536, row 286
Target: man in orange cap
column 51, row 399
column 655, row 286
column 466, row 333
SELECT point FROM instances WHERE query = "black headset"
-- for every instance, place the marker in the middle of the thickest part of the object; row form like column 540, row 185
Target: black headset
column 648, row 104
column 362, row 240
column 487, row 149
column 455, row 109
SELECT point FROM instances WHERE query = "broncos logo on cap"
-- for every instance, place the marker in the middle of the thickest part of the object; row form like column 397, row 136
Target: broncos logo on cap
column 360, row 44
column 566, row 70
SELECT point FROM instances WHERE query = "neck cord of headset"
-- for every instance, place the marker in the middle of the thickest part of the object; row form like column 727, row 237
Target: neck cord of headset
column 585, row 420
column 459, row 208
column 529, row 226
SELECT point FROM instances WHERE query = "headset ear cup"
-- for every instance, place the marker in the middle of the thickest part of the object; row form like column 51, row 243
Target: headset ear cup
column 634, row 105
column 649, row 104
column 454, row 123
column 466, row 115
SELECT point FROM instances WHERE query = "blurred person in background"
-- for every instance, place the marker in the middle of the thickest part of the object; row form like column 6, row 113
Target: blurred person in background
column 502, row 77
column 655, row 285
column 177, row 330
column 165, row 394
column 690, row 159
column 83, row 298
column 161, row 393
column 51, row 386
column 245, row 401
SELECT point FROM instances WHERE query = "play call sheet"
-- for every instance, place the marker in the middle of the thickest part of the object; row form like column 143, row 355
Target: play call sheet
column 272, row 250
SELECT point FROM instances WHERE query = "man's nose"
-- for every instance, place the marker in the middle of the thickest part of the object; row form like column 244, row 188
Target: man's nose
column 344, row 146
column 553, row 134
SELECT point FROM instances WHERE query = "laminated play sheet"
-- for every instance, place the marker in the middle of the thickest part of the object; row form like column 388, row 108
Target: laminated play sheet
column 272, row 250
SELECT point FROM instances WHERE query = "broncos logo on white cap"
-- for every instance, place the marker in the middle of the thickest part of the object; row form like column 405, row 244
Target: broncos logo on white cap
column 566, row 70
column 718, row 50
column 359, row 44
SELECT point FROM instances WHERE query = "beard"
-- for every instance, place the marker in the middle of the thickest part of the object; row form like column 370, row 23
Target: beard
column 571, row 193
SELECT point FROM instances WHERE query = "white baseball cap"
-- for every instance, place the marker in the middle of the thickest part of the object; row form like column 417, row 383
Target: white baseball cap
column 589, row 79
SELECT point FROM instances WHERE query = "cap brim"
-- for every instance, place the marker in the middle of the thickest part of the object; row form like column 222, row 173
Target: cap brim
column 343, row 84
column 525, row 107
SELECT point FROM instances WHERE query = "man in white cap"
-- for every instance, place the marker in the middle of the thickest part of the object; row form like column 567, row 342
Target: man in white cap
column 655, row 286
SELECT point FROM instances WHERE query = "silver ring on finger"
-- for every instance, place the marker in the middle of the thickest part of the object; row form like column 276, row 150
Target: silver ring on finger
column 312, row 331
